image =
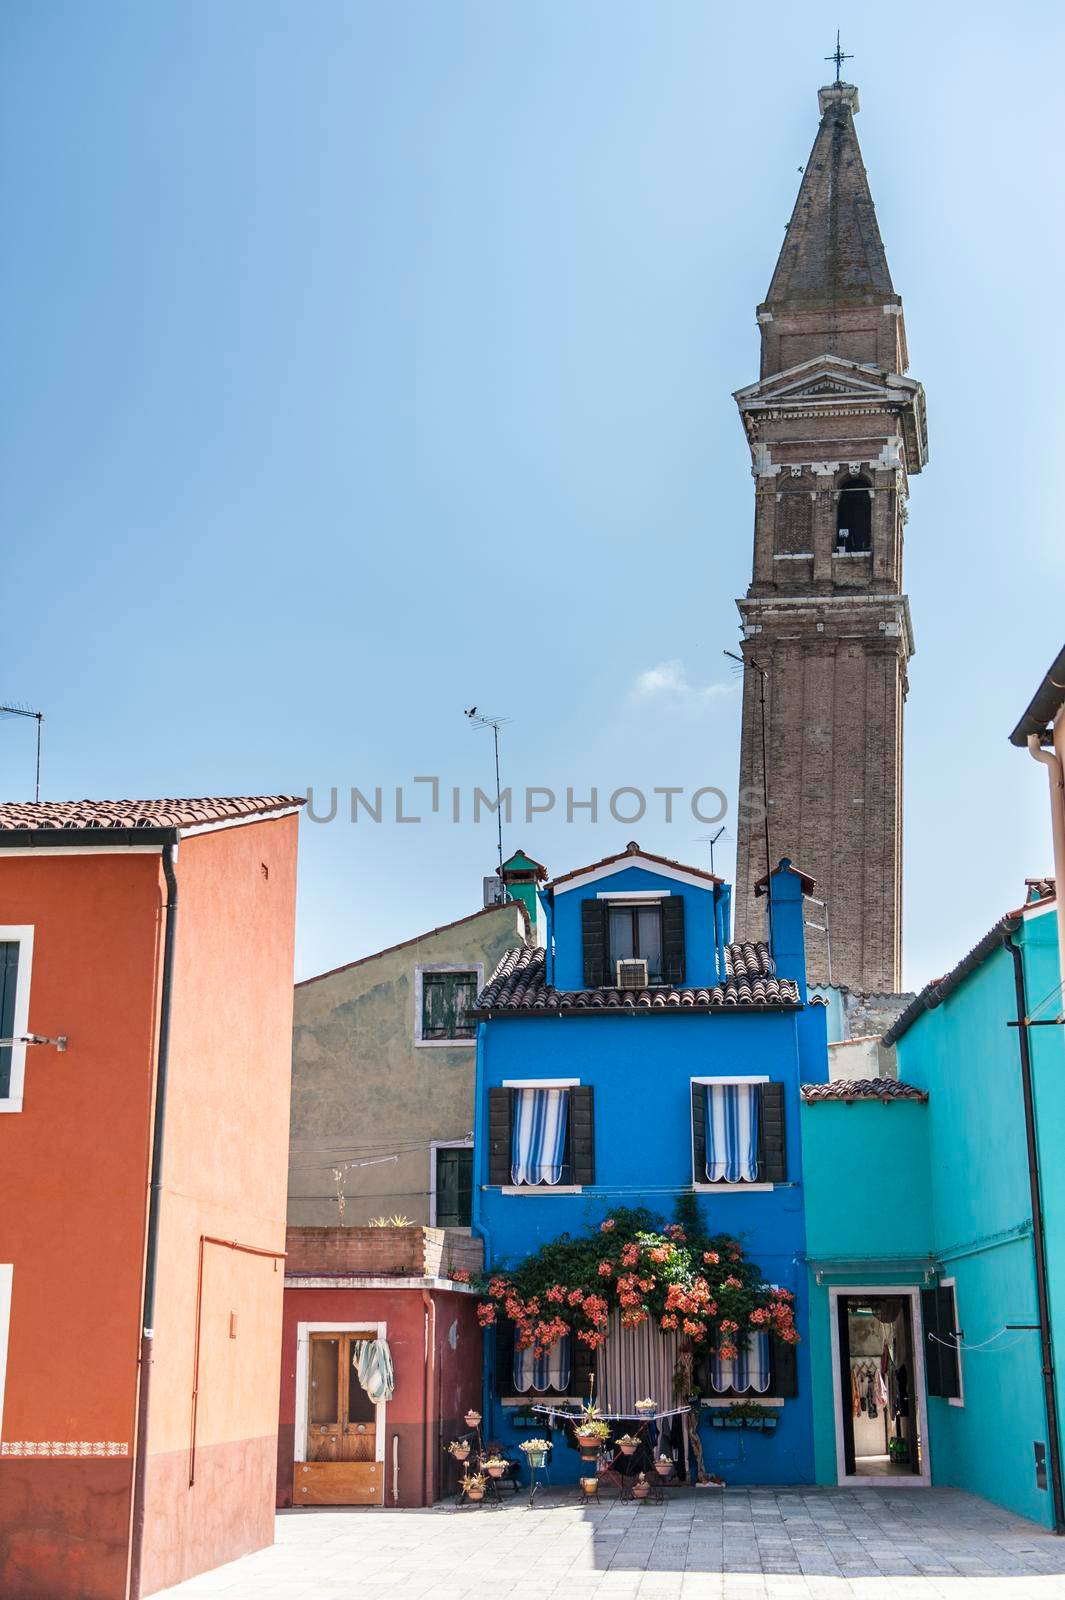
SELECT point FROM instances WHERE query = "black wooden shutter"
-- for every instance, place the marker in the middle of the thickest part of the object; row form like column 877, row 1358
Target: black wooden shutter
column 940, row 1344
column 500, row 1114
column 673, row 938
column 8, row 981
column 773, row 1165
column 582, row 1133
column 505, row 1357
column 785, row 1384
column 698, row 1133
column 595, row 933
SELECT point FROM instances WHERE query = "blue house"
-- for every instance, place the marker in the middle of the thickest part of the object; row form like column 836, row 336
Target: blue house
column 948, row 1256
column 639, row 1058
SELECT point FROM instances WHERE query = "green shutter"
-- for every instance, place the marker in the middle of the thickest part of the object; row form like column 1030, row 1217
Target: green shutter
column 933, row 1350
column 500, row 1115
column 940, row 1343
column 673, row 939
column 454, row 1188
column 446, row 998
column 698, row 1133
column 595, row 934
column 8, row 982
column 773, row 1165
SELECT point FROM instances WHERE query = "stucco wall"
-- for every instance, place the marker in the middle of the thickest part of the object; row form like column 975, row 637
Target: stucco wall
column 363, row 1088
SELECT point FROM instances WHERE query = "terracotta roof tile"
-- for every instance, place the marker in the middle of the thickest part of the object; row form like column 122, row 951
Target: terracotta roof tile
column 518, row 985
column 848, row 1089
column 66, row 815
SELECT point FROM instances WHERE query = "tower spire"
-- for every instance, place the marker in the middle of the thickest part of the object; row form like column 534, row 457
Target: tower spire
column 839, row 56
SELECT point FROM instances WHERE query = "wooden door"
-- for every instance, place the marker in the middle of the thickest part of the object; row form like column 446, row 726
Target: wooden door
column 341, row 1466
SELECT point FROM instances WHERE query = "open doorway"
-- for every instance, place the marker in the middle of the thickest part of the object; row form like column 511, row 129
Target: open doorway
column 878, row 1392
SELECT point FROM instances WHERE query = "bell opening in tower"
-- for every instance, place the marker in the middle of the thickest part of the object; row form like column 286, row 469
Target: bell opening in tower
column 854, row 518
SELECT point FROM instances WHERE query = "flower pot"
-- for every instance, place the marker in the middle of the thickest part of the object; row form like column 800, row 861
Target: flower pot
column 474, row 1494
column 536, row 1458
column 589, row 1441
column 462, row 1453
column 590, row 1485
column 769, row 1424
column 472, row 1418
column 640, row 1491
column 732, row 1422
column 664, row 1469
column 754, row 1422
column 495, row 1472
column 627, row 1449
column 717, row 1422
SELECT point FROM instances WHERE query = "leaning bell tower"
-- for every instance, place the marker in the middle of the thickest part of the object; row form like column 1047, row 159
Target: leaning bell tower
column 835, row 429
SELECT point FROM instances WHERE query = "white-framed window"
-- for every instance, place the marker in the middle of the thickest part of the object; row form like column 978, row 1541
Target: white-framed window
column 6, row 1275
column 16, row 960
column 548, row 1143
column 443, row 996
column 737, row 1134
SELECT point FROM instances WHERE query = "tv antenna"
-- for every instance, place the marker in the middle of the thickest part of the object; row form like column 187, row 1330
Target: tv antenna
column 711, row 839
column 481, row 719
column 754, row 665
column 38, row 717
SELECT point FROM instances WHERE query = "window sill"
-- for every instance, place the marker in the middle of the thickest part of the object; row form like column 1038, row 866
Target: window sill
column 547, row 1398
column 720, row 1402
column 11, row 1105
column 542, row 1188
column 851, row 555
column 734, row 1188
column 445, row 1044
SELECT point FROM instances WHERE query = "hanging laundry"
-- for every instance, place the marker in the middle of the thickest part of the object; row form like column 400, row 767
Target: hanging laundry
column 856, row 1395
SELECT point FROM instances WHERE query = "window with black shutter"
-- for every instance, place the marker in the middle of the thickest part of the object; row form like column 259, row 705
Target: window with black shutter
column 940, row 1316
column 783, row 1376
column 595, row 940
column 579, row 1155
column 772, row 1151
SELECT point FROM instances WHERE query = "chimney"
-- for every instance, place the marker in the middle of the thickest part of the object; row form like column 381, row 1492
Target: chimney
column 521, row 875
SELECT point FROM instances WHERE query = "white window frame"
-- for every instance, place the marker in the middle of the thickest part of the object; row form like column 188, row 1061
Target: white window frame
column 22, row 935
column 727, row 1188
column 959, row 1398
column 419, row 987
column 541, row 1188
column 434, row 1146
column 7, row 1273
column 303, row 1353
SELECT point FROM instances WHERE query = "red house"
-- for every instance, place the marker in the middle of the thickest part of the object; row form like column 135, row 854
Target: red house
column 146, row 952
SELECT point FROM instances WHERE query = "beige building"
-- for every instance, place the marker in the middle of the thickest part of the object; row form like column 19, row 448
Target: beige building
column 836, row 429
column 383, row 1076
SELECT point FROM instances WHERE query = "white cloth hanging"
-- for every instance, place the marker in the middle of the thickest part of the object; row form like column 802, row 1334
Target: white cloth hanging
column 372, row 1361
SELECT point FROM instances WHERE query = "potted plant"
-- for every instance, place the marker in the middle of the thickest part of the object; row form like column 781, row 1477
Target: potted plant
column 749, row 1414
column 664, row 1466
column 535, row 1451
column 627, row 1443
column 641, row 1488
column 592, row 1434
column 647, row 1406
column 589, row 1486
column 460, row 1449
column 474, row 1483
column 495, row 1466
column 472, row 1418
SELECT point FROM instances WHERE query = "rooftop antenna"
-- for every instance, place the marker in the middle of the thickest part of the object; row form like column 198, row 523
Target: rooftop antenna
column 38, row 716
column 754, row 665
column 481, row 719
column 839, row 56
column 711, row 839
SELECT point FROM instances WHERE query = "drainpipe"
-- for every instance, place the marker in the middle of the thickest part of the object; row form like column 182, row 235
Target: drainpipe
column 476, row 1225
column 155, row 1190
column 1038, row 1240
column 1052, row 761
column 427, row 1395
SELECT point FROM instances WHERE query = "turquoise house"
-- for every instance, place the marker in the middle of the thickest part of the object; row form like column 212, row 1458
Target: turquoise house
column 947, row 1260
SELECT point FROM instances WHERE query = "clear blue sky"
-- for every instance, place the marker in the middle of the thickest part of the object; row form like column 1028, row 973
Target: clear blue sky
column 366, row 361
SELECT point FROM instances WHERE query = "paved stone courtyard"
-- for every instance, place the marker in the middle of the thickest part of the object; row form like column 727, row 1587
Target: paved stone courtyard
column 934, row 1544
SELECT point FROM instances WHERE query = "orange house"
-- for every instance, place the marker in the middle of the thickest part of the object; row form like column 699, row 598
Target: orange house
column 146, row 952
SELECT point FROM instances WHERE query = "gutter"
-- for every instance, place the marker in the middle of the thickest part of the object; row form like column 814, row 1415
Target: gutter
column 151, row 1258
column 933, row 994
column 1045, row 704
column 476, row 1225
column 1038, row 1240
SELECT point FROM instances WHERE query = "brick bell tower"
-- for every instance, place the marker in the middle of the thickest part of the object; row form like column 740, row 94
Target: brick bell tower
column 835, row 428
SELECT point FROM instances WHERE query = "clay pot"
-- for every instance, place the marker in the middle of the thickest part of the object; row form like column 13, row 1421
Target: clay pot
column 640, row 1490
column 474, row 1494
column 472, row 1418
column 589, row 1441
column 462, row 1453
column 495, row 1472
column 664, row 1468
column 627, row 1449
column 590, row 1485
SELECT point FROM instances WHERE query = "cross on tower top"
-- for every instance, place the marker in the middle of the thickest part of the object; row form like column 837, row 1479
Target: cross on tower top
column 839, row 56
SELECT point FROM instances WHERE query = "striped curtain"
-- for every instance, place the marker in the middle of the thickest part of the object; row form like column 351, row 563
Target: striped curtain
column 538, row 1143
column 748, row 1372
column 550, row 1371
column 732, row 1132
column 635, row 1364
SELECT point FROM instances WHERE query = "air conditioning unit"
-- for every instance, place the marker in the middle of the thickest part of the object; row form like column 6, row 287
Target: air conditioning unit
column 631, row 974
column 495, row 893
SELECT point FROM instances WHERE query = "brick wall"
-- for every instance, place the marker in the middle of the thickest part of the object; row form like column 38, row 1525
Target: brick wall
column 382, row 1252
